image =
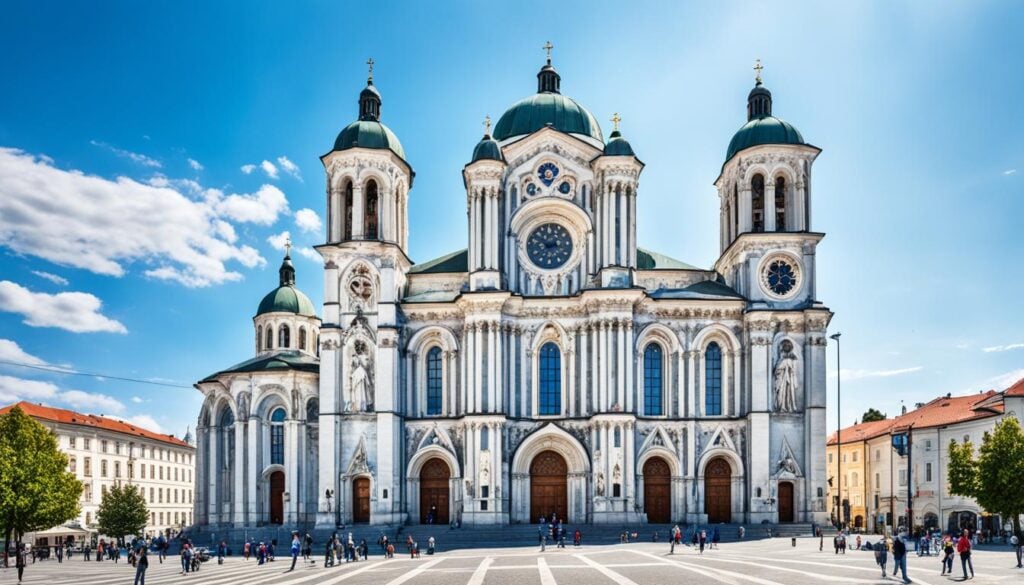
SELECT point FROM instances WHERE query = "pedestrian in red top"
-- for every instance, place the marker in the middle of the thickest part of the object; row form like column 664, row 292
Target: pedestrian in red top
column 963, row 546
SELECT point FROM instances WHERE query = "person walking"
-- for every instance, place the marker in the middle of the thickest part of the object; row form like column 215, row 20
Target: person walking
column 881, row 555
column 1018, row 546
column 20, row 561
column 430, row 545
column 296, row 546
column 307, row 549
column 673, row 538
column 715, row 538
column 542, row 536
column 703, row 539
column 947, row 555
column 963, row 546
column 141, row 564
column 899, row 557
column 577, row 536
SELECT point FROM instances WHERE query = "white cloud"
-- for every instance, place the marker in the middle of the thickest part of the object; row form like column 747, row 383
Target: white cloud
column 308, row 220
column 1009, row 172
column 145, row 421
column 196, row 165
column 10, row 351
column 91, row 402
column 277, row 241
column 51, row 277
column 269, row 168
column 1007, row 347
column 261, row 207
column 15, row 389
column 74, row 219
column 136, row 400
column 133, row 156
column 248, row 169
column 310, row 254
column 73, row 311
column 289, row 167
column 850, row 375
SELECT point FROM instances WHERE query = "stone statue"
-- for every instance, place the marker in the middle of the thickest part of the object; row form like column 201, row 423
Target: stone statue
column 600, row 484
column 786, row 379
column 361, row 380
column 788, row 464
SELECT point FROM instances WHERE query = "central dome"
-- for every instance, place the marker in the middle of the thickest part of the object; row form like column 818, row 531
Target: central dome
column 547, row 107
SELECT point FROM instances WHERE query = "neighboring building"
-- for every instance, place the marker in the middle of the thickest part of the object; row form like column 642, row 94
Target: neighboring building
column 103, row 451
column 553, row 366
column 878, row 495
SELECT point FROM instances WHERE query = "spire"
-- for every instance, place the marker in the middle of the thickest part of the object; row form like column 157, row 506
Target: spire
column 369, row 98
column 287, row 270
column 759, row 101
column 548, row 80
column 487, row 127
column 188, row 435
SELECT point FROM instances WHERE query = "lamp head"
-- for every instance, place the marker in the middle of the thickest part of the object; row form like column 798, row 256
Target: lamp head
column 835, row 336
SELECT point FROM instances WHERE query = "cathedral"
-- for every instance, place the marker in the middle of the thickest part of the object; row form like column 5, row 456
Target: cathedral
column 550, row 367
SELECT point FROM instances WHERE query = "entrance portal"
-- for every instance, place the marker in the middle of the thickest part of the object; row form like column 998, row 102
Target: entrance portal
column 361, row 501
column 277, row 497
column 549, row 493
column 718, row 491
column 434, row 481
column 657, row 491
column 786, row 502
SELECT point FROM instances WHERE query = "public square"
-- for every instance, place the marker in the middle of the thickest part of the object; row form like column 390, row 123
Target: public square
column 764, row 562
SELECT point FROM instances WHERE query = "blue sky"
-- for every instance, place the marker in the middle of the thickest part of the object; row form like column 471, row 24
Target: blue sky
column 105, row 106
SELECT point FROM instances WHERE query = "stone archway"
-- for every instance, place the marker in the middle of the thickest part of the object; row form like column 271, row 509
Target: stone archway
column 718, row 491
column 435, row 493
column 361, row 500
column 657, row 491
column 551, row 437
column 787, row 499
column 549, row 493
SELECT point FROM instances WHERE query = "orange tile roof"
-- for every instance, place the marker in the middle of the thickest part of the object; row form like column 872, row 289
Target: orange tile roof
column 71, row 417
column 863, row 431
column 1017, row 389
column 944, row 410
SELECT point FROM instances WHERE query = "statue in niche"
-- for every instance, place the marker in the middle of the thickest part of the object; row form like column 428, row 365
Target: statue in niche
column 786, row 378
column 361, row 379
column 600, row 484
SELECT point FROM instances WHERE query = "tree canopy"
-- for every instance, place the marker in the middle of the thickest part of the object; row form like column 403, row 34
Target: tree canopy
column 122, row 511
column 993, row 477
column 872, row 415
column 36, row 490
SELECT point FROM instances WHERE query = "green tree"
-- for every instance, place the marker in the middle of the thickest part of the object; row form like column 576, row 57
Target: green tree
column 993, row 478
column 36, row 490
column 122, row 511
column 872, row 415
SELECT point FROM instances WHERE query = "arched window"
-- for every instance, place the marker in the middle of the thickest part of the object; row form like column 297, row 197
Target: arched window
column 348, row 210
column 227, row 438
column 284, row 337
column 313, row 411
column 713, row 380
column 617, row 437
column 270, row 337
column 277, row 437
column 485, row 439
column 780, row 204
column 757, row 202
column 434, row 394
column 302, row 338
column 259, row 338
column 370, row 230
column 652, row 380
column 550, row 379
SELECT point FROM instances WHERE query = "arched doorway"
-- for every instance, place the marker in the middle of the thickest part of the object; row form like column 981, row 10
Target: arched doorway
column 277, row 497
column 361, row 500
column 657, row 491
column 548, row 486
column 785, row 501
column 434, row 494
column 718, row 491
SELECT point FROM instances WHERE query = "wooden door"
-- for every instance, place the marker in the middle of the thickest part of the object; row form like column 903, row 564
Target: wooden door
column 657, row 491
column 718, row 491
column 785, row 502
column 361, row 501
column 434, row 493
column 277, row 497
column 549, row 491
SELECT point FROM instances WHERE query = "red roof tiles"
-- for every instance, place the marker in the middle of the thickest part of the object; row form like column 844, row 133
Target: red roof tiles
column 1017, row 389
column 90, row 420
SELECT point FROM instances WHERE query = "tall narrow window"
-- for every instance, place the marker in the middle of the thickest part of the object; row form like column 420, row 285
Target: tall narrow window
column 550, row 379
column 434, row 379
column 370, row 231
column 313, row 411
column 652, row 380
column 348, row 210
column 713, row 380
column 735, row 211
column 757, row 202
column 277, row 437
column 485, row 439
column 302, row 338
column 284, row 337
column 780, row 204
column 270, row 337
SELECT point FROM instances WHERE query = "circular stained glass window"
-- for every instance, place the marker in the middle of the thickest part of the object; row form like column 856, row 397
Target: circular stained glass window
column 565, row 187
column 780, row 276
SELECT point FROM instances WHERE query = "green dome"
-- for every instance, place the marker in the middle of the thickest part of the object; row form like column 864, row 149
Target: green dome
column 369, row 134
column 487, row 149
column 765, row 130
column 287, row 299
column 618, row 146
column 541, row 109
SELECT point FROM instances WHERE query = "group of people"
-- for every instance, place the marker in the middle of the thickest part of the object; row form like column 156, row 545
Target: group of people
column 698, row 538
column 951, row 546
column 553, row 528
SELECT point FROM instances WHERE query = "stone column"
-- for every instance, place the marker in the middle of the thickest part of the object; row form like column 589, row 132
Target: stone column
column 746, row 211
column 801, row 221
column 769, row 205
column 291, row 466
column 570, row 362
column 586, row 396
column 628, row 462
column 499, row 364
column 602, row 365
column 358, row 211
column 621, row 207
column 471, row 219
column 492, row 371
column 214, row 500
column 255, row 473
column 463, row 405
column 452, row 359
column 609, row 241
column 735, row 382
column 631, row 358
column 238, row 505
column 693, row 392
column 632, row 229
column 336, row 215
column 524, row 364
column 620, row 377
column 478, row 353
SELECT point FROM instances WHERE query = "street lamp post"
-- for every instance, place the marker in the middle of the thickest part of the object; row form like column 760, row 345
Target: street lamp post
column 839, row 426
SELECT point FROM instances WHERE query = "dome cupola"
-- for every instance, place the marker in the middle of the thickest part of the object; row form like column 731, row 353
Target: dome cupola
column 368, row 131
column 617, row 145
column 286, row 298
column 762, row 127
column 488, row 148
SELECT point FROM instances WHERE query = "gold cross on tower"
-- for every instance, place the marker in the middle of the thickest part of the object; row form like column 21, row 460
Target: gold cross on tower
column 369, row 63
column 487, row 126
column 758, row 67
column 288, row 247
column 547, row 47
column 615, row 120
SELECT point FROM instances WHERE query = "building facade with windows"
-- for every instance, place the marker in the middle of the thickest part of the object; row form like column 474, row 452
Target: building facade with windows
column 102, row 452
column 550, row 367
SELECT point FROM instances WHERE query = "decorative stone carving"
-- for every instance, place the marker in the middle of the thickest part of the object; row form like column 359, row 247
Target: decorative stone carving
column 599, row 489
column 786, row 378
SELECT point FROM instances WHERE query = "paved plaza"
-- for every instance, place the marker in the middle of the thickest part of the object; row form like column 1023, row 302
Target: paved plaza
column 768, row 562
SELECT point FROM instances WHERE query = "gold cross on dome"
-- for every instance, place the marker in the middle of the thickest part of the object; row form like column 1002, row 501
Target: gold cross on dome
column 487, row 125
column 547, row 47
column 758, row 67
column 288, row 246
column 615, row 120
column 369, row 63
